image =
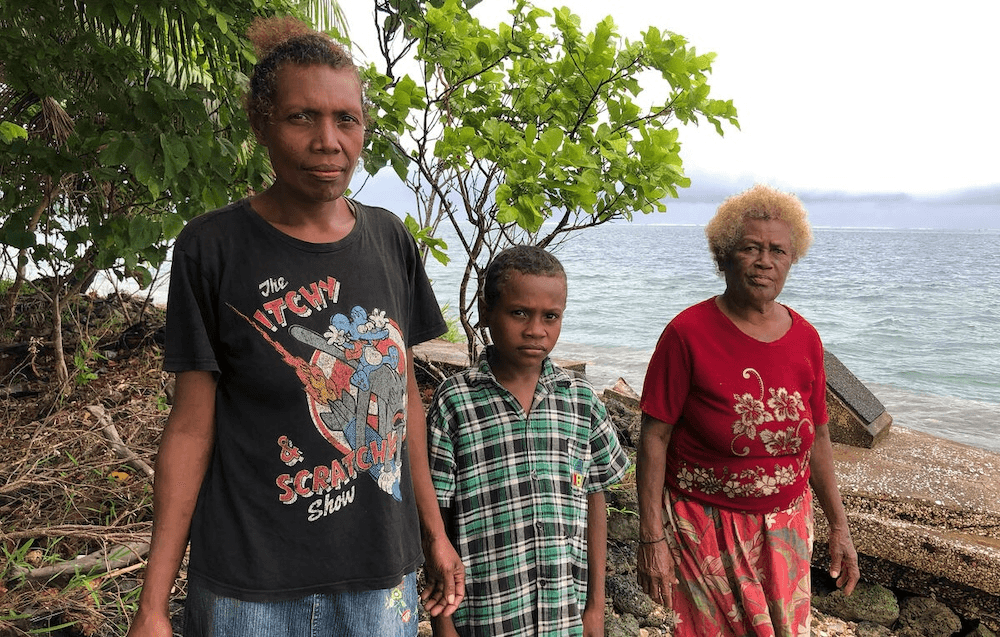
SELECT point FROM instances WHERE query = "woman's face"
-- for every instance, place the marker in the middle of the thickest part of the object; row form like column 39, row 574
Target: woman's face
column 759, row 263
column 316, row 131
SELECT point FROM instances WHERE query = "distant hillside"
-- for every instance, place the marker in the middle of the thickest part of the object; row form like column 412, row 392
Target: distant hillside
column 972, row 209
column 988, row 195
column 714, row 189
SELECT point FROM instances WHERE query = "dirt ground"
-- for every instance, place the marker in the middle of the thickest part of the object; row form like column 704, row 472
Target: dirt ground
column 68, row 486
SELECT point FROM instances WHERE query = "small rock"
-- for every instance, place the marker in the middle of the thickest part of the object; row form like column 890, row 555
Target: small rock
column 868, row 602
column 627, row 421
column 627, row 597
column 34, row 558
column 926, row 617
column 869, row 629
column 659, row 617
column 623, row 525
column 620, row 625
column 982, row 631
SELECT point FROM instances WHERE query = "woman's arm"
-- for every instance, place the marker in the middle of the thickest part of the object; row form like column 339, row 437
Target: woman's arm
column 823, row 478
column 655, row 566
column 444, row 569
column 181, row 463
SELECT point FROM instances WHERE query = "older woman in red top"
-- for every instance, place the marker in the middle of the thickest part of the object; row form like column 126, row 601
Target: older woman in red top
column 734, row 432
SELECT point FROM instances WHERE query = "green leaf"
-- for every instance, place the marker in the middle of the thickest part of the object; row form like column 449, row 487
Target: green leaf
column 222, row 22
column 9, row 131
column 175, row 156
column 172, row 224
column 143, row 232
column 550, row 141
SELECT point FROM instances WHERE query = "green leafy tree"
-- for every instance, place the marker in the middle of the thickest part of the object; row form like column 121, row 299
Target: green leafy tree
column 531, row 131
column 119, row 122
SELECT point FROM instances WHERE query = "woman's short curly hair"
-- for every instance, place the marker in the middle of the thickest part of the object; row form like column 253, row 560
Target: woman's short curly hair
column 520, row 258
column 725, row 229
column 281, row 40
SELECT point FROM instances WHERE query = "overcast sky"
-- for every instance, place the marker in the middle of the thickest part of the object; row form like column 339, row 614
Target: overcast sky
column 854, row 96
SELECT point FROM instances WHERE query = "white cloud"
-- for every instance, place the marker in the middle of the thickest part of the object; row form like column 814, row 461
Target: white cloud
column 855, row 95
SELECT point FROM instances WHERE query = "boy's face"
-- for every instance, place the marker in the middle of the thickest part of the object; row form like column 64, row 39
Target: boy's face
column 526, row 320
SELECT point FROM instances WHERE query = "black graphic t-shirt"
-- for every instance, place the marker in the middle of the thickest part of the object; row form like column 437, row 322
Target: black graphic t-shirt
column 309, row 485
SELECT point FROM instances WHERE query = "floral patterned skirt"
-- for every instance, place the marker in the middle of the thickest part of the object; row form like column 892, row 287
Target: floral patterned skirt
column 740, row 574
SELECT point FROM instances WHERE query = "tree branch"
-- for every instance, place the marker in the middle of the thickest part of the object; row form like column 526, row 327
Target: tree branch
column 101, row 561
column 119, row 447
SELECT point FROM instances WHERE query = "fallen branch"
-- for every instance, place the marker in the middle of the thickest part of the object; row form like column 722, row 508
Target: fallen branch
column 82, row 531
column 431, row 369
column 98, row 562
column 119, row 447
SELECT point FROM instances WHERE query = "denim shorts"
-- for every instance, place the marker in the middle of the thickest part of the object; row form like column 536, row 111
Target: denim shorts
column 390, row 612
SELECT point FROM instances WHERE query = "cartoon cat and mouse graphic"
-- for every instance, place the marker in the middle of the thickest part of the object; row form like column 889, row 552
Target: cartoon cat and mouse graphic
column 355, row 386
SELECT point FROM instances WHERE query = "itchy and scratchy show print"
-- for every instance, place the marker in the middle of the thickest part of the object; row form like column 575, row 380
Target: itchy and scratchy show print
column 355, row 385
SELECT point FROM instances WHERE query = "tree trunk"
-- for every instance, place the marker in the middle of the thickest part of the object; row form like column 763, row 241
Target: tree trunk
column 62, row 372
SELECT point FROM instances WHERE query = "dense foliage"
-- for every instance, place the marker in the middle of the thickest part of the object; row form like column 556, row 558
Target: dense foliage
column 118, row 123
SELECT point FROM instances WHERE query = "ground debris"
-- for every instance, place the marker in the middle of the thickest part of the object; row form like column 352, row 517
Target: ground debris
column 71, row 496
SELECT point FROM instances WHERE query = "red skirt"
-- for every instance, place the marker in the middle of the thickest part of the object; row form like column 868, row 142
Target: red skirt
column 740, row 574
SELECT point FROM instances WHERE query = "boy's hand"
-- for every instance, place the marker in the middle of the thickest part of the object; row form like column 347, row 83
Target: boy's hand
column 445, row 577
column 593, row 621
column 151, row 625
column 442, row 626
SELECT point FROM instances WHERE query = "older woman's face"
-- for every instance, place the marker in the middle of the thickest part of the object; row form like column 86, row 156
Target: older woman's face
column 760, row 262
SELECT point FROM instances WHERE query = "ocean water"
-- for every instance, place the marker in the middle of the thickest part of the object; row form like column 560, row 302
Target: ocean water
column 912, row 313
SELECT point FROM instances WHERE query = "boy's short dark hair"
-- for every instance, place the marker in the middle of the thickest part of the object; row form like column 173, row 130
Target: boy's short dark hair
column 524, row 259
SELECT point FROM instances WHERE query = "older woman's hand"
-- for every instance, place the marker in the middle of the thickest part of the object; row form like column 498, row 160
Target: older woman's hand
column 655, row 564
column 843, row 556
column 655, row 571
column 843, row 560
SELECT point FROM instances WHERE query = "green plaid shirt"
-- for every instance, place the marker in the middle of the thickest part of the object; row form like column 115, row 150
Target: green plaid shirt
column 517, row 488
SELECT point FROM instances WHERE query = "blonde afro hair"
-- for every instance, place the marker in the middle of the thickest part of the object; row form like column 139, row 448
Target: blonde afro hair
column 725, row 229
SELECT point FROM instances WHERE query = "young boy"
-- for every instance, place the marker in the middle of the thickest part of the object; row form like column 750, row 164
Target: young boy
column 521, row 453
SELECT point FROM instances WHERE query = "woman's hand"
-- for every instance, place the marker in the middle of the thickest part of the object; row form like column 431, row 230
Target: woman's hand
column 823, row 478
column 843, row 560
column 445, row 577
column 655, row 565
column 655, row 571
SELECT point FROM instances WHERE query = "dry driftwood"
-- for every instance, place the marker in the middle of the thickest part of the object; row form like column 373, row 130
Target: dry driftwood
column 111, row 433
column 98, row 562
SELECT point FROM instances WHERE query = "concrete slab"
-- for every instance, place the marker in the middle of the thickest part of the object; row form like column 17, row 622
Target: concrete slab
column 857, row 417
column 924, row 513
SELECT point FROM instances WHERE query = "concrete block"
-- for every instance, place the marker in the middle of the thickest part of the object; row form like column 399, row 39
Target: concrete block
column 857, row 417
column 623, row 393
